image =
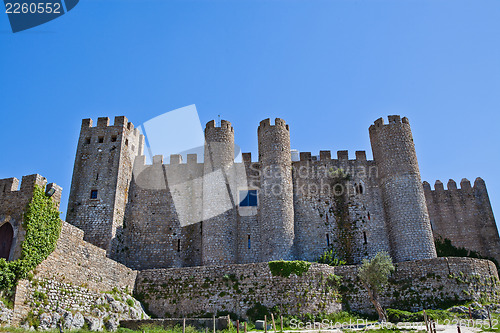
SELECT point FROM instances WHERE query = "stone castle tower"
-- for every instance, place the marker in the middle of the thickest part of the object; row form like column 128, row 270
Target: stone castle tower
column 224, row 212
column 405, row 209
column 219, row 228
column 101, row 178
column 276, row 191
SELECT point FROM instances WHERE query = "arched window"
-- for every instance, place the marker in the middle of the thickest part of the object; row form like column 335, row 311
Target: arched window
column 6, row 237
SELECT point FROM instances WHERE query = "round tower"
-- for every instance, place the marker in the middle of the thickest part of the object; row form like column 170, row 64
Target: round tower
column 219, row 239
column 276, row 191
column 403, row 197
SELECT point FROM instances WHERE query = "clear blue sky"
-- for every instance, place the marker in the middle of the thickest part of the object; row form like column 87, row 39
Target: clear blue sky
column 329, row 68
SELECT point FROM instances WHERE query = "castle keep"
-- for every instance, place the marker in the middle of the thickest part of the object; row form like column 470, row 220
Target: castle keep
column 220, row 211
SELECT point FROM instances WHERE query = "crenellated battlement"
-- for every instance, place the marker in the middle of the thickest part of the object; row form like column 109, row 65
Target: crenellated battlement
column 326, row 155
column 278, row 122
column 394, row 119
column 27, row 183
column 224, row 124
column 10, row 186
column 465, row 185
column 175, row 159
column 103, row 123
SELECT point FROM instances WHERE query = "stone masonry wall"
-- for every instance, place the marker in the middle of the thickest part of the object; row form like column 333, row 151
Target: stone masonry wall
column 464, row 216
column 78, row 264
column 235, row 288
column 317, row 211
column 424, row 284
column 415, row 285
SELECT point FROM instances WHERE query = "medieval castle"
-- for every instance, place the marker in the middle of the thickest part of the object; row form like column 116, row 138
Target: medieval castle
column 279, row 207
column 193, row 238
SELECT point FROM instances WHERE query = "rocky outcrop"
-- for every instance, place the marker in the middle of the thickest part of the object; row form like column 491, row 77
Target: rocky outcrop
column 106, row 312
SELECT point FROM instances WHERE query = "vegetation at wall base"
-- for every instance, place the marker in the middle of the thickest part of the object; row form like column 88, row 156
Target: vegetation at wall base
column 330, row 257
column 286, row 268
column 43, row 227
column 444, row 248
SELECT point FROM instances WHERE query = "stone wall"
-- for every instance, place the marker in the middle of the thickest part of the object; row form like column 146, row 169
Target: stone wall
column 80, row 267
column 80, row 263
column 152, row 235
column 198, row 291
column 464, row 216
column 424, row 284
column 330, row 213
column 415, row 285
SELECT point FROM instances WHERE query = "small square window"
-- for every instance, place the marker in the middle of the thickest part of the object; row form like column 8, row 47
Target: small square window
column 100, row 139
column 126, row 142
column 93, row 194
column 113, row 138
column 248, row 198
column 87, row 141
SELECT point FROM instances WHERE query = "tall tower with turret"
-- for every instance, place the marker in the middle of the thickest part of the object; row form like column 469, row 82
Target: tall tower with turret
column 219, row 239
column 101, row 178
column 403, row 197
column 276, row 191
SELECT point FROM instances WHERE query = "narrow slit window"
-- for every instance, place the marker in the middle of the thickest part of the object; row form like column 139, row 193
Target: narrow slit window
column 364, row 237
column 249, row 242
column 126, row 142
column 97, row 176
column 248, row 198
column 178, row 245
column 369, row 217
column 328, row 240
column 93, row 194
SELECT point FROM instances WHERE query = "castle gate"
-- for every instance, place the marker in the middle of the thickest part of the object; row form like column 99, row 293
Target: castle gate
column 6, row 237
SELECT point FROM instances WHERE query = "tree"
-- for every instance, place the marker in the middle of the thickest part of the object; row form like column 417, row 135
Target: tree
column 374, row 275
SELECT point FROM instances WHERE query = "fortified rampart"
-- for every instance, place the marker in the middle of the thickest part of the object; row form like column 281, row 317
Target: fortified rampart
column 196, row 291
column 415, row 285
column 426, row 284
column 464, row 216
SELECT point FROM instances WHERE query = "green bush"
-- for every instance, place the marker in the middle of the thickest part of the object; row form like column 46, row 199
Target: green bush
column 257, row 312
column 444, row 248
column 43, row 226
column 330, row 257
column 285, row 268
